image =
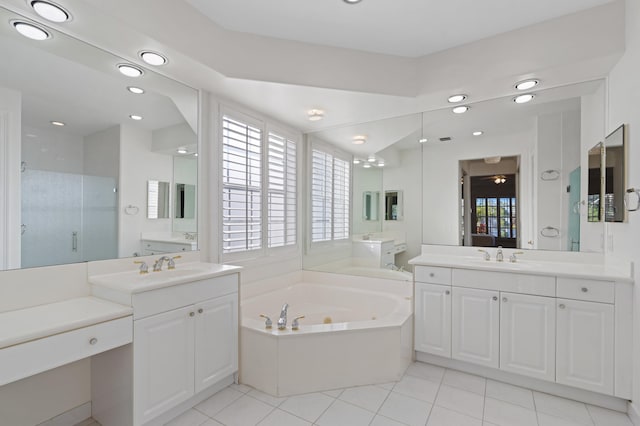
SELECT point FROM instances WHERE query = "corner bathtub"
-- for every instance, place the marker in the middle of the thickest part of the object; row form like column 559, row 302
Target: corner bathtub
column 369, row 338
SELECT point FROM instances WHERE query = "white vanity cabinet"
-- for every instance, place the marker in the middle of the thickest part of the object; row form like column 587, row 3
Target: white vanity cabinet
column 433, row 326
column 154, row 247
column 374, row 253
column 475, row 326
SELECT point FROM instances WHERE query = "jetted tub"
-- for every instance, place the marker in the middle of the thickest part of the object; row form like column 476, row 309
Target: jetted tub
column 356, row 331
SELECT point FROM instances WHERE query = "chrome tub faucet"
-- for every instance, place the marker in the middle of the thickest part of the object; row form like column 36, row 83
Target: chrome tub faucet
column 282, row 321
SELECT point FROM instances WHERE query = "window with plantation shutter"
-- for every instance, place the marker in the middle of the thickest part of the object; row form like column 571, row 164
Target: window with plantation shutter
column 330, row 182
column 259, row 187
column 242, row 186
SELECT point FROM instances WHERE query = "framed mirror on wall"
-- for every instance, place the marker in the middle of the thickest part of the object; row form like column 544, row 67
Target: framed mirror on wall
column 596, row 181
column 615, row 172
column 88, row 146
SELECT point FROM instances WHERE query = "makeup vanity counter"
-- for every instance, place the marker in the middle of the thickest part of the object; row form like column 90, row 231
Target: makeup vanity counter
column 557, row 322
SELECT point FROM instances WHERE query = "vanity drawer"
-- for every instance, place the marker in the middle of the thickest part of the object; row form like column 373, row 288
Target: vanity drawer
column 433, row 274
column 539, row 285
column 583, row 289
column 399, row 248
column 26, row 359
column 157, row 247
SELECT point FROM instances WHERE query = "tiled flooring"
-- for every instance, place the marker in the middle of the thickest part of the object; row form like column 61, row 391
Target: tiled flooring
column 426, row 395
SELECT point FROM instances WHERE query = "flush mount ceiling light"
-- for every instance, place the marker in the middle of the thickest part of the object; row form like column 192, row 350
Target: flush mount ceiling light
column 182, row 151
column 461, row 109
column 423, row 140
column 523, row 99
column 195, row 154
column 136, row 90
column 478, row 133
column 153, row 58
column 359, row 139
column 527, row 84
column 50, row 11
column 352, row 1
column 135, row 117
column 130, row 70
column 356, row 161
column 381, row 164
column 57, row 123
column 371, row 159
column 367, row 166
column 31, row 31
column 492, row 160
column 454, row 99
column 315, row 114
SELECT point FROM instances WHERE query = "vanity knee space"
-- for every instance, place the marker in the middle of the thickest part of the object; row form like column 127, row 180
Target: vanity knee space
column 569, row 330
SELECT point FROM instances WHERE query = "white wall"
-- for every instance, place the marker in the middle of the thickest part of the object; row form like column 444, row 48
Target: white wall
column 52, row 149
column 168, row 139
column 624, row 107
column 440, row 181
column 138, row 165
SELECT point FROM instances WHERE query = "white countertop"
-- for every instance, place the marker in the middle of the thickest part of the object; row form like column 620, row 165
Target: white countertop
column 172, row 240
column 602, row 271
column 132, row 282
column 33, row 323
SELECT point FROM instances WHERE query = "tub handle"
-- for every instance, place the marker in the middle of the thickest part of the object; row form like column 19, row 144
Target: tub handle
column 267, row 321
column 295, row 324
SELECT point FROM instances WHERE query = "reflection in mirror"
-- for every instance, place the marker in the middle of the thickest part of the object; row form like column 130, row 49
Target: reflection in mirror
column 393, row 205
column 186, row 176
column 595, row 184
column 185, row 201
column 85, row 162
column 370, row 205
column 158, row 199
column 616, row 175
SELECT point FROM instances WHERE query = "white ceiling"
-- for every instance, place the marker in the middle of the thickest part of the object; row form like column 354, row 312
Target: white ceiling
column 408, row 28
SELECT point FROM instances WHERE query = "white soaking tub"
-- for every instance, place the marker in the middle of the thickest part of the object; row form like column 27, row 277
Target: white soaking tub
column 356, row 331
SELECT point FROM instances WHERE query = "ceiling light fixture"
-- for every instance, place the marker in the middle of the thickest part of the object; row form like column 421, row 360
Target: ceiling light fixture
column 195, row 154
column 359, row 139
column 315, row 114
column 50, row 11
column 367, row 166
column 454, row 99
column 136, row 90
column 527, row 84
column 130, row 70
column 31, row 31
column 499, row 179
column 58, row 123
column 461, row 109
column 423, row 140
column 478, row 133
column 352, row 1
column 182, row 151
column 381, row 164
column 371, row 159
column 523, row 99
column 135, row 117
column 153, row 58
column 356, row 161
column 492, row 160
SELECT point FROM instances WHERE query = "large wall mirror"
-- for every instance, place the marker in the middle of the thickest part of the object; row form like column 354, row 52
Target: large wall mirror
column 615, row 166
column 503, row 173
column 88, row 147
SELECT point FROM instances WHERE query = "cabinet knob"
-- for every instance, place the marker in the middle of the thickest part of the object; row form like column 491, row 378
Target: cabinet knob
column 191, row 314
column 504, row 299
column 432, row 275
column 200, row 310
column 447, row 292
column 495, row 298
column 93, row 341
column 561, row 306
column 584, row 289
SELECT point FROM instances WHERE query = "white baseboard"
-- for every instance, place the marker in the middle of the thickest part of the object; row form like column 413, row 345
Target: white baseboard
column 71, row 417
column 634, row 414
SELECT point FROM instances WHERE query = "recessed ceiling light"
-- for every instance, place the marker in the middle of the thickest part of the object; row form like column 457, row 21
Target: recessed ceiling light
column 456, row 98
column 371, row 159
column 315, row 114
column 381, row 164
column 359, row 139
column 57, row 123
column 195, row 154
column 523, row 99
column 352, row 1
column 527, row 84
column 182, row 151
column 31, row 31
column 135, row 117
column 50, row 11
column 356, row 161
column 153, row 58
column 478, row 133
column 136, row 90
column 461, row 109
column 130, row 70
column 423, row 140
column 367, row 166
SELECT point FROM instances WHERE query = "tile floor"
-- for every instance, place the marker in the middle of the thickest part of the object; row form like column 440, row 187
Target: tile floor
column 426, row 395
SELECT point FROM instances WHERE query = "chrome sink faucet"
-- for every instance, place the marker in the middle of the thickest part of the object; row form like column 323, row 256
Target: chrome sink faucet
column 157, row 266
column 486, row 256
column 282, row 321
column 499, row 255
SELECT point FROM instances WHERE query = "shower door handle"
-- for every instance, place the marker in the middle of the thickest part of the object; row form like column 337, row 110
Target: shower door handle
column 74, row 241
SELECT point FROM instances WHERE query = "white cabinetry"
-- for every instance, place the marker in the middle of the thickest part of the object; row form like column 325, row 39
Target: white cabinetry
column 376, row 254
column 153, row 247
column 527, row 335
column 475, row 326
column 585, row 345
column 433, row 326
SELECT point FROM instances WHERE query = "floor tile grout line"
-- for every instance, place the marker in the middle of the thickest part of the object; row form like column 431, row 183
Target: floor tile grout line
column 435, row 398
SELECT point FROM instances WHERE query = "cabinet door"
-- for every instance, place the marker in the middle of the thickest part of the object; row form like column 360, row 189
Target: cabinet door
column 163, row 353
column 475, row 325
column 528, row 335
column 433, row 319
column 585, row 345
column 216, row 340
